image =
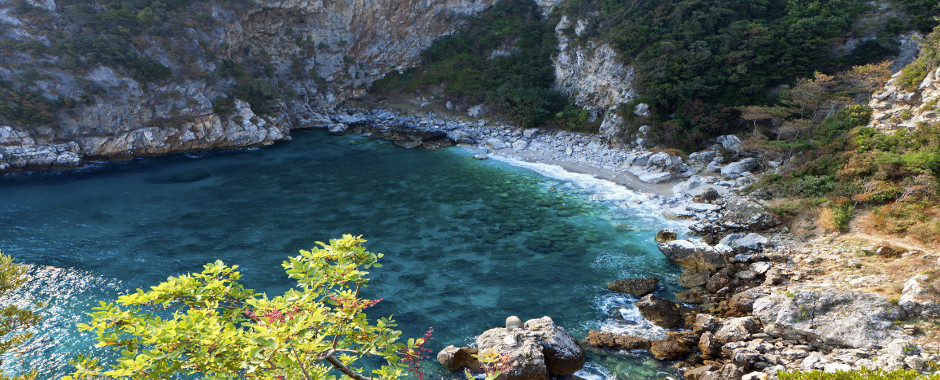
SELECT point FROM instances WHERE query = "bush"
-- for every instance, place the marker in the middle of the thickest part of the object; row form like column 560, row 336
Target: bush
column 863, row 374
column 836, row 216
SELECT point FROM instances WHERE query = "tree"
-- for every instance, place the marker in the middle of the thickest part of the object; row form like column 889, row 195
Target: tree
column 869, row 78
column 13, row 319
column 208, row 324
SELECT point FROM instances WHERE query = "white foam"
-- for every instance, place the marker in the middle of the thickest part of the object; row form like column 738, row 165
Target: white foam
column 637, row 203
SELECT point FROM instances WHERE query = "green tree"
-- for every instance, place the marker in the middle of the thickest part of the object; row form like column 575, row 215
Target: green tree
column 14, row 320
column 209, row 324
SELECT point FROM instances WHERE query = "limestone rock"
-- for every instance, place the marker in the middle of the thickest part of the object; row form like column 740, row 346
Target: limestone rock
column 665, row 235
column 454, row 358
column 538, row 350
column 921, row 297
column 668, row 349
column 828, row 316
column 594, row 74
column 619, row 341
column 661, row 312
column 695, row 254
column 634, row 286
column 737, row 329
column 706, row 322
column 513, row 322
column 709, row 345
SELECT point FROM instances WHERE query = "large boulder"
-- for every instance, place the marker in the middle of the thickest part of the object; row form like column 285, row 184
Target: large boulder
column 669, row 349
column 921, row 297
column 830, row 317
column 736, row 169
column 634, row 286
column 660, row 311
column 606, row 339
column 454, row 358
column 737, row 329
column 538, row 350
column 747, row 214
column 695, row 255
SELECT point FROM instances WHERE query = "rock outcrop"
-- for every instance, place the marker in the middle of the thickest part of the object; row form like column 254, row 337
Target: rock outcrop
column 634, row 286
column 319, row 52
column 538, row 349
column 829, row 317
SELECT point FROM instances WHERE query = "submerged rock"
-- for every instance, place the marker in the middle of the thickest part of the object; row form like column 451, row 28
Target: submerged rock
column 634, row 286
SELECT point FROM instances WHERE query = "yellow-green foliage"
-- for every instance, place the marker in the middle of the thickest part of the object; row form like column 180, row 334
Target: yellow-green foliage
column 863, row 374
column 219, row 329
column 912, row 75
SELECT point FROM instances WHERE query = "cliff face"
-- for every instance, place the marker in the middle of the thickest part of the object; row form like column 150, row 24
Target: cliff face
column 226, row 60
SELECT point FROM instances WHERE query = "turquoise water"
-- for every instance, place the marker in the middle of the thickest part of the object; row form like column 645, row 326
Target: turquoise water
column 466, row 242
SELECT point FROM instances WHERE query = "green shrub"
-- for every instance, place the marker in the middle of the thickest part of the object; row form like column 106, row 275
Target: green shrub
column 863, row 374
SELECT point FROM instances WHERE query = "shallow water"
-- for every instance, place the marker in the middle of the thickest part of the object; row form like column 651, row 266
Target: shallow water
column 466, row 242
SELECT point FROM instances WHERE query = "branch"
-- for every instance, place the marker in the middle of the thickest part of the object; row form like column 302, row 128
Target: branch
column 345, row 370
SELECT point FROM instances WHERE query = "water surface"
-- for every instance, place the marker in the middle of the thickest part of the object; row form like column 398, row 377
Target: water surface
column 466, row 242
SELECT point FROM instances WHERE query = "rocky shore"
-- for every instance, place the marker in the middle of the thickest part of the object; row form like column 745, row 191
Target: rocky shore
column 756, row 305
column 752, row 308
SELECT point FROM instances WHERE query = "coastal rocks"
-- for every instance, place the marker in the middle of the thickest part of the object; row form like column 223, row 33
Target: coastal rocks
column 738, row 214
column 921, row 296
column 829, row 317
column 604, row 339
column 665, row 235
column 634, row 286
column 695, row 255
column 654, row 167
column 668, row 349
column 454, row 358
column 661, row 312
column 537, row 349
column 738, row 168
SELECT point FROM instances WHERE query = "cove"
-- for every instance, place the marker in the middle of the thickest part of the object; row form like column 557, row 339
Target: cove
column 466, row 242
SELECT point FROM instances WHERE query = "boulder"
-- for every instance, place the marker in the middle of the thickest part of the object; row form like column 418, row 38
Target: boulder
column 709, row 345
column 668, row 349
column 454, row 358
column 688, row 338
column 921, row 297
column 743, row 302
column 691, row 278
column 661, row 312
column 513, row 322
column 737, row 329
column 730, row 142
column 695, row 254
column 706, row 322
column 828, row 316
column 665, row 235
column 634, row 286
column 697, row 372
column 745, row 243
column 563, row 354
column 745, row 214
column 606, row 339
column 710, row 195
column 737, row 168
column 642, row 109
column 536, row 350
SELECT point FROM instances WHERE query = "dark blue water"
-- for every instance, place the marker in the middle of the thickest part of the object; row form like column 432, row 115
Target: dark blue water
column 466, row 242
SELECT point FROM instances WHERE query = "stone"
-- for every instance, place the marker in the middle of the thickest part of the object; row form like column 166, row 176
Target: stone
column 606, row 339
column 693, row 297
column 513, row 322
column 695, row 254
column 538, row 350
column 745, row 358
column 921, row 297
column 665, row 235
column 642, row 109
column 634, row 286
column 496, row 144
column 692, row 278
column 829, row 316
column 729, row 372
column 743, row 302
column 706, row 322
column 746, row 243
column 697, row 372
column 703, row 157
column 737, row 329
column 688, row 338
column 730, row 142
column 736, row 169
column 454, row 358
column 716, row 282
column 836, row 367
column 748, row 215
column 659, row 311
column 530, row 133
column 710, row 195
column 668, row 349
column 709, row 345
column 338, row 129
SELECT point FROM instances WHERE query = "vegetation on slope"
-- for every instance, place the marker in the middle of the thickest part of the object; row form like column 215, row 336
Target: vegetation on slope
column 846, row 165
column 502, row 59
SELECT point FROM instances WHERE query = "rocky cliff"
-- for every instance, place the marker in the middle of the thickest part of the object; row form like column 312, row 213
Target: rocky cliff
column 105, row 80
